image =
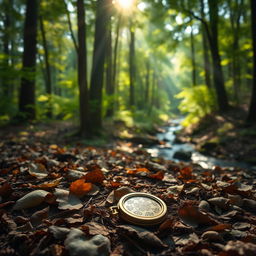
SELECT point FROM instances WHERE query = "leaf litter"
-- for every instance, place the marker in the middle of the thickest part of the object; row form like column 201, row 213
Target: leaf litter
column 56, row 201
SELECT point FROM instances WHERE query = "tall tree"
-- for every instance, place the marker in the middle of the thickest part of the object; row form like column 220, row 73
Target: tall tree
column 48, row 80
column 193, row 55
column 97, row 75
column 216, row 60
column 110, row 89
column 132, row 66
column 236, row 9
column 206, row 59
column 27, row 88
column 82, row 70
column 252, row 110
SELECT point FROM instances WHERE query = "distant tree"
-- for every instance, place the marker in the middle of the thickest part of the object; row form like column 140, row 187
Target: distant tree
column 82, row 70
column 48, row 79
column 218, row 77
column 27, row 88
column 132, row 67
column 97, row 75
column 236, row 9
column 193, row 55
column 205, row 42
column 110, row 88
column 252, row 109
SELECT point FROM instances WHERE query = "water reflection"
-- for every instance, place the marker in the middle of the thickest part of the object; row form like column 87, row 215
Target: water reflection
column 168, row 150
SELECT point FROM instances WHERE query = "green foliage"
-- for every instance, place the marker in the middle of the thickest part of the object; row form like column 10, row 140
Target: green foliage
column 63, row 108
column 196, row 102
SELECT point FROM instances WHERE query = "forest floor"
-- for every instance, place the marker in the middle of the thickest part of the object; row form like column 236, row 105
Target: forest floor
column 55, row 199
column 224, row 136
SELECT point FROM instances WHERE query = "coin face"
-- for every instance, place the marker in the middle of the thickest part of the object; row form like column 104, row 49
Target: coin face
column 142, row 206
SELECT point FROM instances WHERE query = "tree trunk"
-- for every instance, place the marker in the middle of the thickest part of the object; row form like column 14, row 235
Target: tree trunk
column 235, row 19
column 147, row 82
column 207, row 64
column 193, row 57
column 6, row 49
column 132, row 67
column 218, row 77
column 82, row 70
column 97, row 75
column 47, row 68
column 252, row 109
column 110, row 89
column 27, row 89
column 116, row 51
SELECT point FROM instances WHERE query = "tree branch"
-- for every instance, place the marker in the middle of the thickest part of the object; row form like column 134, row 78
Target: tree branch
column 70, row 27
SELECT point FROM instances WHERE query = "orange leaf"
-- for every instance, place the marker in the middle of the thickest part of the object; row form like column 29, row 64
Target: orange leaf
column 135, row 171
column 80, row 188
column 159, row 175
column 95, row 176
column 220, row 227
column 186, row 173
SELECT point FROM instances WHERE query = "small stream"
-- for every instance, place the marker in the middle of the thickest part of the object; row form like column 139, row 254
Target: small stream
column 168, row 150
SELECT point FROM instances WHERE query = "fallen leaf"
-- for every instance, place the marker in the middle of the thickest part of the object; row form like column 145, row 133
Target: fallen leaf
column 37, row 170
column 77, row 244
column 38, row 216
column 31, row 199
column 66, row 200
column 137, row 170
column 241, row 226
column 145, row 237
column 191, row 215
column 221, row 202
column 73, row 175
column 220, row 227
column 5, row 190
column 238, row 248
column 95, row 176
column 185, row 173
column 49, row 184
column 158, row 176
column 116, row 195
column 97, row 229
column 211, row 236
column 186, row 239
column 80, row 187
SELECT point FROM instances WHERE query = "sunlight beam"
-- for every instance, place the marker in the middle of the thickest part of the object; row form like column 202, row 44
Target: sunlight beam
column 125, row 5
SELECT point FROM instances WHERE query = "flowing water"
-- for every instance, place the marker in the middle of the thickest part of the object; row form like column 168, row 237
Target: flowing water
column 168, row 150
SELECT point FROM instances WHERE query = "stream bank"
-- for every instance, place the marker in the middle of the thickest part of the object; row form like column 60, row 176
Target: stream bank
column 172, row 148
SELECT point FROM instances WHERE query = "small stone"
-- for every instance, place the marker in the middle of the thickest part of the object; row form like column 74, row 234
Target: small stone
column 211, row 236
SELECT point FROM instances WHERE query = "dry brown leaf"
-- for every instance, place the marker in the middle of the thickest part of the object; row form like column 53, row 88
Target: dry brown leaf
column 191, row 215
column 80, row 187
column 38, row 216
column 146, row 238
column 48, row 184
column 158, row 176
column 95, row 176
column 66, row 200
column 220, row 227
column 96, row 229
column 37, row 170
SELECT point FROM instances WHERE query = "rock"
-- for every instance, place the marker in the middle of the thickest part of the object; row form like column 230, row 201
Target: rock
column 208, row 146
column 77, row 244
column 211, row 236
column 204, row 206
column 183, row 155
column 146, row 140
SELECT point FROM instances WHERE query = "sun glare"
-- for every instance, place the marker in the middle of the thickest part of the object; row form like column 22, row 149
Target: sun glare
column 125, row 5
